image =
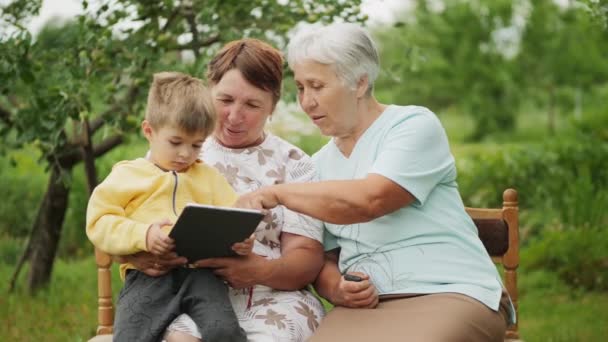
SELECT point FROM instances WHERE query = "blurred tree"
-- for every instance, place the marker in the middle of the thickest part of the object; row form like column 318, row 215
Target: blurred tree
column 562, row 51
column 452, row 53
column 75, row 91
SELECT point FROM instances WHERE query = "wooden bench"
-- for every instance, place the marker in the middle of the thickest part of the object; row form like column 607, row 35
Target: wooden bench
column 498, row 230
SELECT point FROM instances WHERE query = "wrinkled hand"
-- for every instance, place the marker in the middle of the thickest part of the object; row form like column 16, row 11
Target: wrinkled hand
column 263, row 198
column 352, row 294
column 154, row 265
column 239, row 272
column 157, row 241
column 244, row 247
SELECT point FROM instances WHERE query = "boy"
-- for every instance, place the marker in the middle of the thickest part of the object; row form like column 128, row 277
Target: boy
column 132, row 210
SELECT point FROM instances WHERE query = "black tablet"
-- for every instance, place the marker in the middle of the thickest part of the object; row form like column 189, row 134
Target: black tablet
column 205, row 231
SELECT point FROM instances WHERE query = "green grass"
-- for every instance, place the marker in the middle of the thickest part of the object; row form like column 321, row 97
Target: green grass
column 66, row 311
column 550, row 311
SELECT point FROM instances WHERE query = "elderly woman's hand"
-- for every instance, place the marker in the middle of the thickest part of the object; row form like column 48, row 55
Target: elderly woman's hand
column 355, row 294
column 154, row 265
column 263, row 198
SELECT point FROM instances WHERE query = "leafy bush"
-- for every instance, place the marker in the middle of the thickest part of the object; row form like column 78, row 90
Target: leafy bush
column 11, row 249
column 568, row 178
column 578, row 256
column 22, row 182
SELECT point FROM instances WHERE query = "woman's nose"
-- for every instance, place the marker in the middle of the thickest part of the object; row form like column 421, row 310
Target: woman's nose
column 234, row 114
column 306, row 100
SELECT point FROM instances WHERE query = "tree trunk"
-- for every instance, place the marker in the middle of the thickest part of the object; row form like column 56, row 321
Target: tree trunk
column 47, row 228
column 88, row 156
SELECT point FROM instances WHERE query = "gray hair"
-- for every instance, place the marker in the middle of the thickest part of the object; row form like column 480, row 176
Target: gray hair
column 347, row 47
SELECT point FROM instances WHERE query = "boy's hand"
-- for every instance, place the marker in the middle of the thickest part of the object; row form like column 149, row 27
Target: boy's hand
column 157, row 241
column 244, row 247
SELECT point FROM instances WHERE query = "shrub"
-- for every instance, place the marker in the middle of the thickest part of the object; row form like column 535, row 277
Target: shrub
column 578, row 256
column 568, row 178
column 23, row 183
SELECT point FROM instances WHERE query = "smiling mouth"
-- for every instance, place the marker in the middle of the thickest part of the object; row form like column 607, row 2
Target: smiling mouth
column 231, row 131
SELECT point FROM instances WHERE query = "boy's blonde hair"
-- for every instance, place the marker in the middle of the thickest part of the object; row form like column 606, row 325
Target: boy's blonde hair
column 180, row 101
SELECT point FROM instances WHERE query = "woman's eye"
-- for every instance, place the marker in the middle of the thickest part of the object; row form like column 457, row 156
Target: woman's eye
column 225, row 100
column 174, row 143
column 251, row 105
column 197, row 146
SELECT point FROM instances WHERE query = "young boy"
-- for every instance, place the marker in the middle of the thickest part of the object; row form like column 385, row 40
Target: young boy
column 132, row 211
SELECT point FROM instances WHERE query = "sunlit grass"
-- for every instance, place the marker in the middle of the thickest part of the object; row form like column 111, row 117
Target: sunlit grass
column 66, row 311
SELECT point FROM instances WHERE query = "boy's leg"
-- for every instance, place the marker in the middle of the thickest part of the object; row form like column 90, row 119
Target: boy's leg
column 206, row 300
column 146, row 306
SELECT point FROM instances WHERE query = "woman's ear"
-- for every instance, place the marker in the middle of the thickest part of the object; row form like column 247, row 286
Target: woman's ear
column 362, row 86
column 146, row 129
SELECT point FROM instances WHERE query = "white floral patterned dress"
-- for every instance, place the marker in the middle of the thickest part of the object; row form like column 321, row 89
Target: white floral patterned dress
column 264, row 313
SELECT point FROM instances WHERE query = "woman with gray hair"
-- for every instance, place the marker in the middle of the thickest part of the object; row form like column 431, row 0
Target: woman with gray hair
column 397, row 236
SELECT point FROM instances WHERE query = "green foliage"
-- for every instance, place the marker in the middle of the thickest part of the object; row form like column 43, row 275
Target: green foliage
column 22, row 182
column 567, row 178
column 578, row 256
column 65, row 311
column 490, row 59
column 94, row 71
column 11, row 249
column 550, row 311
column 449, row 57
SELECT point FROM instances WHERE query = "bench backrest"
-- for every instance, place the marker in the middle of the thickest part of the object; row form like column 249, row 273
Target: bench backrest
column 498, row 230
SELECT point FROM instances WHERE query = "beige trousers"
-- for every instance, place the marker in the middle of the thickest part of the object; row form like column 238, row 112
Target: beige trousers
column 439, row 317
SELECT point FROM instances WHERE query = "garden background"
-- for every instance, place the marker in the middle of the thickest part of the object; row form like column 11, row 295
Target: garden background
column 521, row 87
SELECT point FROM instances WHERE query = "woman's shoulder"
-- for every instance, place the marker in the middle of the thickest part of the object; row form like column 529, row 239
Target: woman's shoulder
column 396, row 113
column 411, row 118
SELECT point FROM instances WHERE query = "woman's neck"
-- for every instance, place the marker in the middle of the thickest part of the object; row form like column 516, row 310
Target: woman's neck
column 368, row 110
column 257, row 142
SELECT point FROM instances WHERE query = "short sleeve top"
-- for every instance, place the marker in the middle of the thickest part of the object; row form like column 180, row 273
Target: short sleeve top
column 430, row 246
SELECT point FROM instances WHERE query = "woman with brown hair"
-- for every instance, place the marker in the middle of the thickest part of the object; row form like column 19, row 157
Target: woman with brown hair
column 268, row 287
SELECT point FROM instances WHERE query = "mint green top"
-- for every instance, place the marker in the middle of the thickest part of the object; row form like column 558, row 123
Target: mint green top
column 430, row 246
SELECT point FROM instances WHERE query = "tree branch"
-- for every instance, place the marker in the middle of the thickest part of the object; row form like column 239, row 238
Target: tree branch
column 107, row 145
column 191, row 19
column 169, row 20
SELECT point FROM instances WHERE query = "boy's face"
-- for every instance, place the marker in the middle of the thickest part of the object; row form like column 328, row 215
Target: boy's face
column 171, row 148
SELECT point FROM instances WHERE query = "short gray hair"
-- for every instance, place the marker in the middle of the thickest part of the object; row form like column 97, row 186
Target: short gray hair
column 345, row 46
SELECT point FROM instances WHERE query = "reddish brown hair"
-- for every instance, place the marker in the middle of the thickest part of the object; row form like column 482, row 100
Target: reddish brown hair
column 260, row 64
